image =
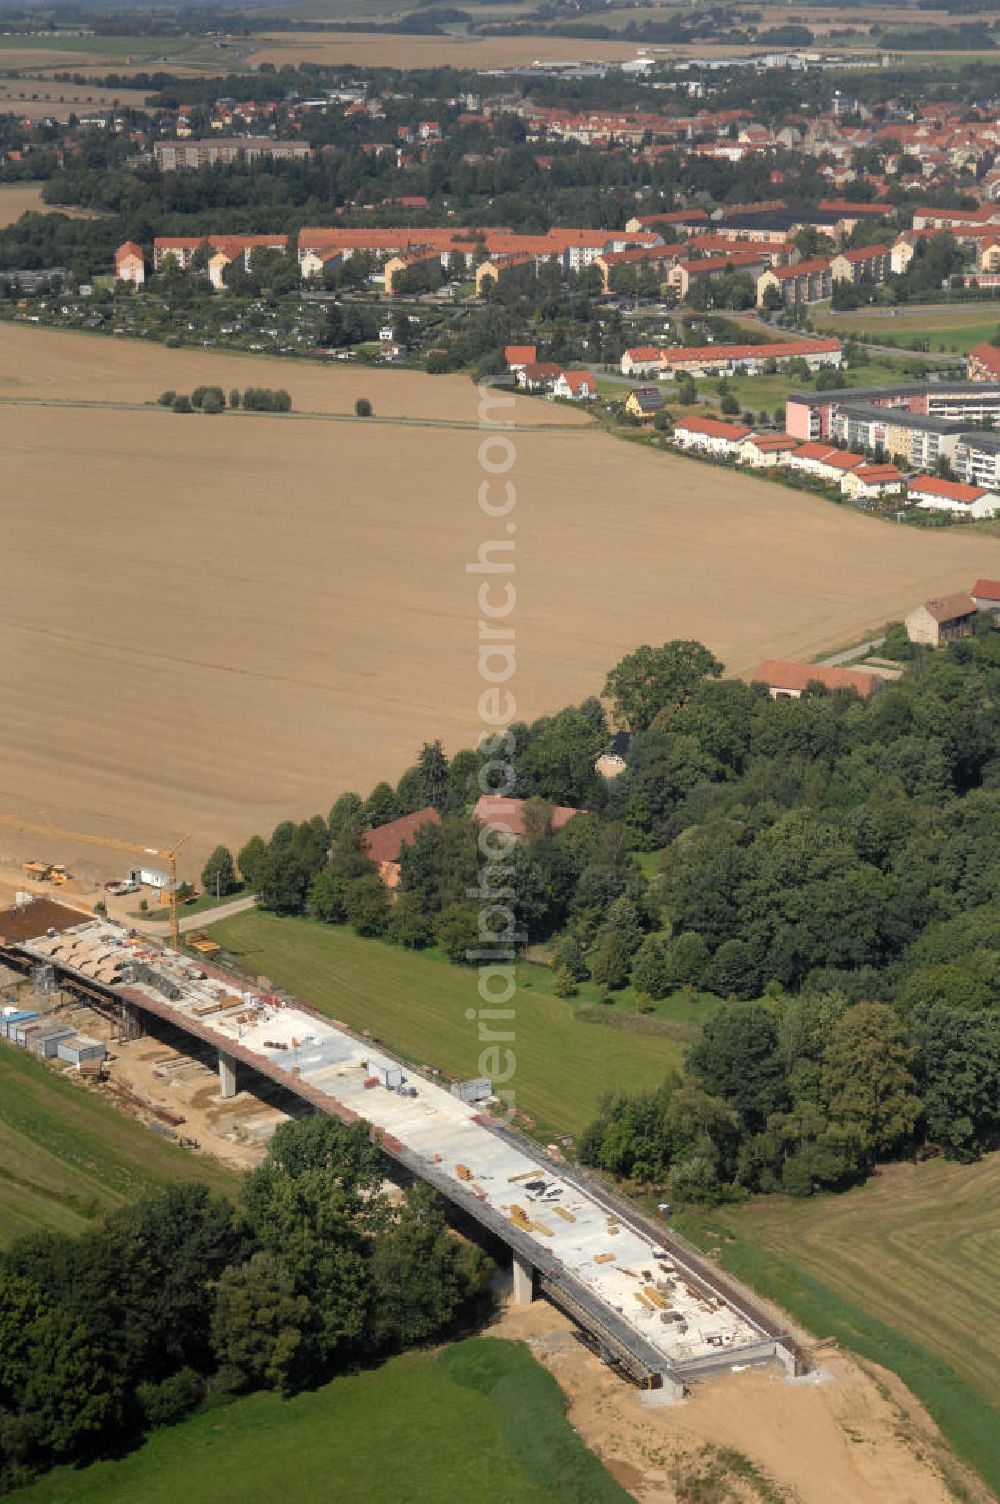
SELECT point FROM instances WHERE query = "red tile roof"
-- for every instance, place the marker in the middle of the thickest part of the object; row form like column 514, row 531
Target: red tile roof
column 951, row 607
column 713, row 428
column 777, row 674
column 986, row 590
column 949, row 490
column 508, row 814
column 385, row 843
column 520, row 355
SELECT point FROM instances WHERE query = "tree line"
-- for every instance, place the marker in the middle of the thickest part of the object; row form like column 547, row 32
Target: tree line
column 826, row 887
column 183, row 1298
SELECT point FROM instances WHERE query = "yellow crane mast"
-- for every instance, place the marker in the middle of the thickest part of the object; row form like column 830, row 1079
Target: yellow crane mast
column 167, row 855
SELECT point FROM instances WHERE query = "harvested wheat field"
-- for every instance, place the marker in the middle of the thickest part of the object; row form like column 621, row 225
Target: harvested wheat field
column 383, row 50
column 42, row 99
column 213, row 623
column 20, row 198
column 63, row 365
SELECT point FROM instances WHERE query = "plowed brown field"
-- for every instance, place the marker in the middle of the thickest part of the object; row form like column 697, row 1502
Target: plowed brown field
column 210, row 624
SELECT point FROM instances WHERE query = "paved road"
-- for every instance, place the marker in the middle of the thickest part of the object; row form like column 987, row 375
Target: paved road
column 860, row 650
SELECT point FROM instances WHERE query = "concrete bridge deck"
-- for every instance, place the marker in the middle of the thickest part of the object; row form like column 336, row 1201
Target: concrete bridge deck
column 647, row 1303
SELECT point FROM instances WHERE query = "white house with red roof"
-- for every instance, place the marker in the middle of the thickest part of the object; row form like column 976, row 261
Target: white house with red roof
column 519, row 356
column 986, row 594
column 710, row 436
column 930, row 494
column 130, row 264
column 764, row 451
column 575, row 386
column 872, row 482
column 824, row 462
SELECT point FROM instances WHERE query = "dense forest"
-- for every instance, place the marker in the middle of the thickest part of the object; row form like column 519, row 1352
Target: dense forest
column 829, row 868
column 183, row 1298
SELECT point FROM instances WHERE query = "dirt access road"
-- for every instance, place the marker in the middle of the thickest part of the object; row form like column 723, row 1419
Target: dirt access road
column 856, row 1437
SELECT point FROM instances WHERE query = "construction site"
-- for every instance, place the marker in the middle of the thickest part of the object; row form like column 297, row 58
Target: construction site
column 650, row 1307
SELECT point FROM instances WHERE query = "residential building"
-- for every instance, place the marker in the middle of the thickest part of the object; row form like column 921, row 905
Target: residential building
column 871, row 263
column 519, row 356
column 823, row 462
column 765, row 451
column 538, row 375
column 171, row 156
column 872, row 482
column 942, row 620
column 789, row 681
column 710, row 436
column 931, row 494
column 643, row 360
column 977, row 458
column 983, row 363
column 384, row 844
column 130, row 264
column 575, row 386
column 182, row 248
column 644, row 402
column 805, row 282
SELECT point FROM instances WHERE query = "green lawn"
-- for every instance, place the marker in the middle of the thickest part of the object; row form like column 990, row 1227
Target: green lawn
column 945, row 326
column 769, row 392
column 902, row 1270
column 67, row 1157
column 199, row 905
column 417, row 1005
column 103, row 46
column 479, row 1418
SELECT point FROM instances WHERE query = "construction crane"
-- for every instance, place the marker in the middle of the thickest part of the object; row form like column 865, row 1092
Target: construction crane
column 167, row 855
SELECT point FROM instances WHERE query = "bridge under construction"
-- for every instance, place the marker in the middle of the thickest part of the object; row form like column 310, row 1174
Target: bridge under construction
column 649, row 1305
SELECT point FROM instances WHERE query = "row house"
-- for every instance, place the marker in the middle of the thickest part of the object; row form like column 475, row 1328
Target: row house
column 823, row 463
column 710, row 436
column 930, row 494
column 182, row 248
column 766, row 451
column 872, row 483
column 748, row 360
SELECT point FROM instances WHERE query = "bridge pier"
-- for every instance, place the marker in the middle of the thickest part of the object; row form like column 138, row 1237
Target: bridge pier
column 524, row 1280
column 227, row 1076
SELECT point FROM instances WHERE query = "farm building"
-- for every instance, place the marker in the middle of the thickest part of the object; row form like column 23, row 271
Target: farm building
column 942, row 620
column 789, row 681
column 986, row 594
column 511, row 815
column 385, row 843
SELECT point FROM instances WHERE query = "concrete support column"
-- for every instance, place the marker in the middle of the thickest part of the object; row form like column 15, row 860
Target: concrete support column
column 227, row 1076
column 524, row 1280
